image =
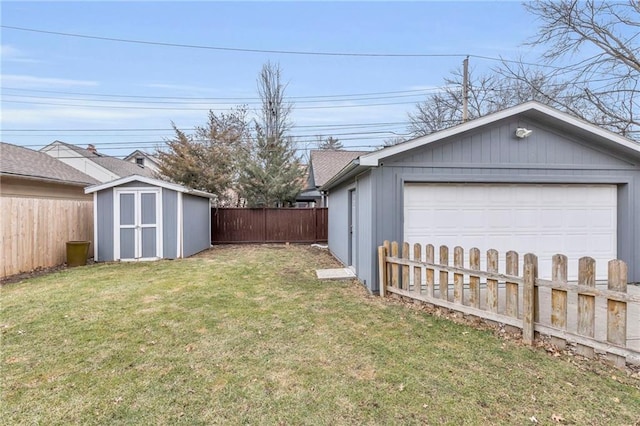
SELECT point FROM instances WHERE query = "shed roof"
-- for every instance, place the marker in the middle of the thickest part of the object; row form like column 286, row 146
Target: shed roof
column 533, row 110
column 326, row 163
column 113, row 164
column 149, row 181
column 23, row 162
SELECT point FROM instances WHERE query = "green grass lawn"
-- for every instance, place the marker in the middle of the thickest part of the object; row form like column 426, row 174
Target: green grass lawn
column 249, row 335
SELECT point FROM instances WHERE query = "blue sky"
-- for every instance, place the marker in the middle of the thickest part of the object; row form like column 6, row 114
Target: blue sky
column 53, row 86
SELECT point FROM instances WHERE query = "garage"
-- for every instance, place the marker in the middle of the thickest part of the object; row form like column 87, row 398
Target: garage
column 575, row 220
column 529, row 178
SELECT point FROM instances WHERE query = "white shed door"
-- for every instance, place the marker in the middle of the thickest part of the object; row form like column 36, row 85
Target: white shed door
column 574, row 220
column 137, row 224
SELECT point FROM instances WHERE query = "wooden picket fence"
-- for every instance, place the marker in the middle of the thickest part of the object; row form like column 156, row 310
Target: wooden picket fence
column 515, row 299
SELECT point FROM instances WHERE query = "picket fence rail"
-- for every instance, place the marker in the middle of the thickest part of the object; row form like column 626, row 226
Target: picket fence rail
column 515, row 299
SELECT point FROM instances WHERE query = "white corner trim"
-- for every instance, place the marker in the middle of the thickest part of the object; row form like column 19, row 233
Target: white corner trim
column 179, row 233
column 95, row 227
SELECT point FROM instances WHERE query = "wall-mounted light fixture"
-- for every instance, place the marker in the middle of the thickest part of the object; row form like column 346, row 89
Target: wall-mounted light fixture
column 522, row 133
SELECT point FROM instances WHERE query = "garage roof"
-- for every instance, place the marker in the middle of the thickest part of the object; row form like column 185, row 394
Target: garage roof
column 534, row 110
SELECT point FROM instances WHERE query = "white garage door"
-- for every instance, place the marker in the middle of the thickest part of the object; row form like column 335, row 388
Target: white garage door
column 575, row 220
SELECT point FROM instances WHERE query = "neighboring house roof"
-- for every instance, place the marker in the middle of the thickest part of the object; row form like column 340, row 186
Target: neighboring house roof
column 324, row 163
column 150, row 181
column 27, row 163
column 533, row 110
column 113, row 164
column 138, row 153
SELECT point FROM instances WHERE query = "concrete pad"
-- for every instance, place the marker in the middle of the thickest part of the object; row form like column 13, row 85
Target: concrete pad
column 335, row 274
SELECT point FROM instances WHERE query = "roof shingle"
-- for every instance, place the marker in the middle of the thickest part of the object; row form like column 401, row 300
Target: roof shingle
column 327, row 163
column 20, row 161
column 115, row 165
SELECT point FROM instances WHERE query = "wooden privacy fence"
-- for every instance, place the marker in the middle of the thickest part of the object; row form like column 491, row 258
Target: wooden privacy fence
column 35, row 231
column 595, row 319
column 269, row 225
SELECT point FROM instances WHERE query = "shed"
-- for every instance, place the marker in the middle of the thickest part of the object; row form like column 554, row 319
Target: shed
column 529, row 178
column 141, row 218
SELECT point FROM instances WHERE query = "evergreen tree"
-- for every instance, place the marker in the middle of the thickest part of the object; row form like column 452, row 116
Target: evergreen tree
column 330, row 143
column 270, row 174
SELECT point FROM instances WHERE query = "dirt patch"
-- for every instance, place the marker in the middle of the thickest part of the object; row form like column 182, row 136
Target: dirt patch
column 599, row 364
column 16, row 278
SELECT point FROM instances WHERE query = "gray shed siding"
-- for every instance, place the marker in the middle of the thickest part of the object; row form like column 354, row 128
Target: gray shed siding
column 105, row 223
column 492, row 154
column 169, row 223
column 196, row 224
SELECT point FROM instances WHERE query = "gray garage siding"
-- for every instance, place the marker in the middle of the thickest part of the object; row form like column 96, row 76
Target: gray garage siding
column 197, row 236
column 339, row 226
column 365, row 262
column 339, row 222
column 494, row 155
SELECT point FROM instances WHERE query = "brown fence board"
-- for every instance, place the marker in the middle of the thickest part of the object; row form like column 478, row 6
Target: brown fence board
column 270, row 225
column 584, row 325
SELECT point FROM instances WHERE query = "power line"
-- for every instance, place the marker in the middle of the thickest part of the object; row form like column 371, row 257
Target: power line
column 296, row 140
column 283, row 52
column 199, row 109
column 198, row 102
column 416, row 91
column 232, row 49
column 319, row 126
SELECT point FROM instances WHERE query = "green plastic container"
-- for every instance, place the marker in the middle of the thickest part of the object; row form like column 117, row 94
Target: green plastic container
column 77, row 253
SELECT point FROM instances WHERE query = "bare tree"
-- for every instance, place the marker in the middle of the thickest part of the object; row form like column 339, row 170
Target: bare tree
column 274, row 115
column 603, row 88
column 488, row 93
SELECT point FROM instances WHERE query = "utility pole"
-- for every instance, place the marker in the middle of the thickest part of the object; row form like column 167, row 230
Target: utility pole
column 465, row 90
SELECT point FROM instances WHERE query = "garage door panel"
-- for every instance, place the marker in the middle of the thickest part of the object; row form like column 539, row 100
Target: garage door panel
column 575, row 220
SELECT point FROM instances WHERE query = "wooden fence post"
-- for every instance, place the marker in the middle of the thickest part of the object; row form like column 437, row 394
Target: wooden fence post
column 387, row 249
column 444, row 275
column 417, row 270
column 511, row 301
column 394, row 266
column 474, row 281
column 492, row 285
column 559, row 298
column 382, row 268
column 405, row 268
column 617, row 311
column 528, row 298
column 458, row 279
column 586, row 304
column 430, row 273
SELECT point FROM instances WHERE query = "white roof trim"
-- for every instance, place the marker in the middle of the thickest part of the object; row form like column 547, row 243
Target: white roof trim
column 374, row 158
column 147, row 180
